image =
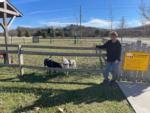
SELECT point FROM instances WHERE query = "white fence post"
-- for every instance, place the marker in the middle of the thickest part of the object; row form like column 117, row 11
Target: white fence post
column 21, row 62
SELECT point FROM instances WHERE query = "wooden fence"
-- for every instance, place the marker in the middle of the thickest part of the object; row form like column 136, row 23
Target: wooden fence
column 135, row 76
column 21, row 52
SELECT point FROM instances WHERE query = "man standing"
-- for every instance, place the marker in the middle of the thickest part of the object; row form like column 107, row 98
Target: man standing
column 113, row 49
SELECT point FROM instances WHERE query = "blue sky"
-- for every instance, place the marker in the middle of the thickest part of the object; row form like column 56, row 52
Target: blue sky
column 96, row 13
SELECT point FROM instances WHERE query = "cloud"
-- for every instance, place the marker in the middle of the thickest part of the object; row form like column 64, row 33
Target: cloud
column 145, row 22
column 99, row 23
column 45, row 11
column 56, row 24
column 134, row 23
column 26, row 26
column 40, row 12
column 26, row 1
column 137, row 23
column 2, row 0
column 48, row 11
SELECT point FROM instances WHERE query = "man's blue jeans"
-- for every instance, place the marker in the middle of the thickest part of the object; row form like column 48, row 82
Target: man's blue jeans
column 112, row 68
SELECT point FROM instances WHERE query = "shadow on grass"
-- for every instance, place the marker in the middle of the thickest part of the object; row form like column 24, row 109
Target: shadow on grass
column 33, row 78
column 38, row 78
column 25, row 90
column 8, row 79
column 57, row 97
column 44, row 78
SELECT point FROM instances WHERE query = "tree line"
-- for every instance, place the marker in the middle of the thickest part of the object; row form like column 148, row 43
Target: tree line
column 74, row 31
column 69, row 31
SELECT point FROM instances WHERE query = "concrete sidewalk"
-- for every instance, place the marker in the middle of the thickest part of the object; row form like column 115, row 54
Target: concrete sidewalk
column 138, row 95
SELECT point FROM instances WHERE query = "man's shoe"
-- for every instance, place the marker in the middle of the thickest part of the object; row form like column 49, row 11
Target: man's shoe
column 105, row 82
column 113, row 83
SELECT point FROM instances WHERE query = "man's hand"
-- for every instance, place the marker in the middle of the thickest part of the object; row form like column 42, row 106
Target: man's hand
column 97, row 46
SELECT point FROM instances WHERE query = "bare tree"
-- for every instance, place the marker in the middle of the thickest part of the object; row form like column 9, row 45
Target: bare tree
column 111, row 15
column 145, row 10
column 122, row 28
column 145, row 13
column 144, row 27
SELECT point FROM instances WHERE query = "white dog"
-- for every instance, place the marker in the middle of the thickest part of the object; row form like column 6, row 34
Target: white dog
column 65, row 63
column 73, row 64
column 69, row 63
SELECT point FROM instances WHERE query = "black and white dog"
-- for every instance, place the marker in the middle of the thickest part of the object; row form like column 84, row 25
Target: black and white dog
column 66, row 64
column 48, row 62
column 51, row 64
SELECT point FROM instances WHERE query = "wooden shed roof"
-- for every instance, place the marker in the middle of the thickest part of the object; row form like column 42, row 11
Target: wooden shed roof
column 11, row 10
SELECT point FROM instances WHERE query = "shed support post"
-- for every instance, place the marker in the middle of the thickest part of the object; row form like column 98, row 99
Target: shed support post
column 6, row 32
column 11, row 21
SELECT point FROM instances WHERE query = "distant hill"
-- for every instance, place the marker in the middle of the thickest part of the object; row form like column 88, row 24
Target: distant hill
column 141, row 31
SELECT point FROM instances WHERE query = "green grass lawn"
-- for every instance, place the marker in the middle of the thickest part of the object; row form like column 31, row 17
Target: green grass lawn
column 76, row 93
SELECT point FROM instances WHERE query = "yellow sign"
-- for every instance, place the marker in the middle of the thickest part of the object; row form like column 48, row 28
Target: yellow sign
column 136, row 61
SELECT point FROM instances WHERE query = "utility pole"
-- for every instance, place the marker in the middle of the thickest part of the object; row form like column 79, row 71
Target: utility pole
column 6, row 32
column 76, row 32
column 122, row 28
column 80, row 21
column 54, row 34
column 111, row 16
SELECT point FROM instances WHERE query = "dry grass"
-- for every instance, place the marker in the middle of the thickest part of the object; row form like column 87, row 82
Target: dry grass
column 38, row 92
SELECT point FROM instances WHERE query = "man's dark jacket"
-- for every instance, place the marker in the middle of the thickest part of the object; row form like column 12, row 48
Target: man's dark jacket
column 113, row 50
